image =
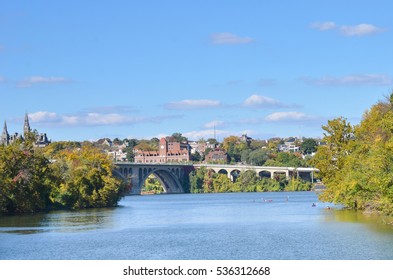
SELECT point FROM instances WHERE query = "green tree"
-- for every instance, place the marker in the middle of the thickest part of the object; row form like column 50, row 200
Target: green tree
column 196, row 157
column 26, row 178
column 179, row 137
column 357, row 163
column 247, row 181
column 196, row 180
column 85, row 179
column 308, row 146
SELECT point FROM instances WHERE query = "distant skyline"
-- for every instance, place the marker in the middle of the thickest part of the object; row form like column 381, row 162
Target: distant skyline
column 85, row 70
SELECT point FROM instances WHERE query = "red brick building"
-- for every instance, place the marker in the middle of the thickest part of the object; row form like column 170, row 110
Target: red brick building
column 168, row 151
column 216, row 156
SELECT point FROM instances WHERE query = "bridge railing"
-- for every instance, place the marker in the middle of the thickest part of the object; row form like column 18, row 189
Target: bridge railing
column 239, row 166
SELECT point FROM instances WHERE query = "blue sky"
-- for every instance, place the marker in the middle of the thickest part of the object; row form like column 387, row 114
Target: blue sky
column 84, row 70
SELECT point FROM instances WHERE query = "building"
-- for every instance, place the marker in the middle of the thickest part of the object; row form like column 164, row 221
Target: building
column 118, row 155
column 216, row 156
column 289, row 146
column 41, row 139
column 168, row 151
column 245, row 139
column 201, row 146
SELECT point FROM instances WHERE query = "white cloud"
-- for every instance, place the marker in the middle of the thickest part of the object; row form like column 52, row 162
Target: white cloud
column 362, row 29
column 227, row 38
column 83, row 119
column 351, row 80
column 287, row 116
column 35, row 80
column 86, row 119
column 209, row 133
column 193, row 104
column 260, row 101
column 43, row 116
column 214, row 124
column 323, row 26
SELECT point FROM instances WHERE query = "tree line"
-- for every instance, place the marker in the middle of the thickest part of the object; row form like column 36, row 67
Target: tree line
column 207, row 181
column 64, row 175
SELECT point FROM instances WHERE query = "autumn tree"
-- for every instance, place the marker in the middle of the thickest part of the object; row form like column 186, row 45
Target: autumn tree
column 85, row 179
column 357, row 162
column 26, row 178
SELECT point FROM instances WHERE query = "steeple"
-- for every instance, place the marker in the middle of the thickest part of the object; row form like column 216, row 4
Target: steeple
column 5, row 137
column 26, row 127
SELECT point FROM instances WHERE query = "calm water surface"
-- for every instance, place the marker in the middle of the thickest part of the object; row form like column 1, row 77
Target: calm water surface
column 200, row 226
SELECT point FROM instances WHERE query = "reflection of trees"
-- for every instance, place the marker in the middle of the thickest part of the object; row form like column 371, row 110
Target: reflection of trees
column 28, row 220
column 375, row 222
column 59, row 221
column 87, row 219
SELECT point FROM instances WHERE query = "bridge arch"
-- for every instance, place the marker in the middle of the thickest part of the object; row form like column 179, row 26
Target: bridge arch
column 223, row 171
column 168, row 179
column 234, row 174
column 265, row 174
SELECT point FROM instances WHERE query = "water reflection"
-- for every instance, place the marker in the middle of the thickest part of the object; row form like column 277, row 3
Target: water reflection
column 203, row 226
column 57, row 221
column 378, row 223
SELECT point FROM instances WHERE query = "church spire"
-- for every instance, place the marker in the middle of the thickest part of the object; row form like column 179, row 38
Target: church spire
column 26, row 127
column 5, row 137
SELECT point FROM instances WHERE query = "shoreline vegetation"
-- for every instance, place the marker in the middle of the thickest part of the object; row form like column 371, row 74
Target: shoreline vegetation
column 206, row 181
column 75, row 177
column 356, row 165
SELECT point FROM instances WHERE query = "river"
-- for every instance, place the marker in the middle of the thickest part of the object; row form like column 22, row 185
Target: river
column 200, row 226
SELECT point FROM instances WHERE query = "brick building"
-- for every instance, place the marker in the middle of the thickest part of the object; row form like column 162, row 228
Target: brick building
column 168, row 151
column 216, row 156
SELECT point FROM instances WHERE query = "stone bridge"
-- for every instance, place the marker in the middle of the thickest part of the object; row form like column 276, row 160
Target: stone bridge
column 173, row 176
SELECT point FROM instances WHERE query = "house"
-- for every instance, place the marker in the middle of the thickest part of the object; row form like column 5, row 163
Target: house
column 118, row 155
column 219, row 156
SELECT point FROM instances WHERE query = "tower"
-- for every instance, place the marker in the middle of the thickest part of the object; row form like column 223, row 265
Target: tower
column 5, row 137
column 163, row 147
column 26, row 127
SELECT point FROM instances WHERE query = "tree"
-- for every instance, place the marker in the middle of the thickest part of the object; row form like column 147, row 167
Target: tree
column 26, row 178
column 85, row 180
column 357, row 162
column 339, row 136
column 308, row 146
column 179, row 137
column 234, row 148
column 196, row 180
column 145, row 145
column 196, row 157
column 117, row 141
column 247, row 181
column 258, row 157
column 285, row 159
